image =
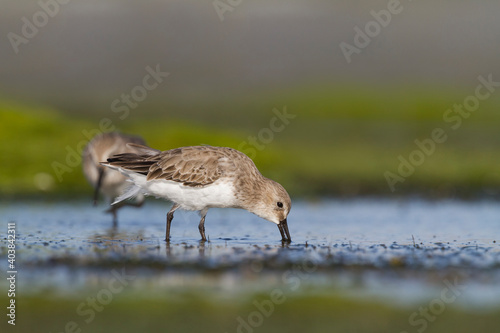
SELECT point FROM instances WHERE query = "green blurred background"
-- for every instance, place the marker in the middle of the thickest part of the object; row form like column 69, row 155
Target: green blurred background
column 352, row 120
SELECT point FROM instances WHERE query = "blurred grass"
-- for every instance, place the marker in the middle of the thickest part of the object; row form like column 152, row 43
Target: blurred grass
column 194, row 313
column 341, row 142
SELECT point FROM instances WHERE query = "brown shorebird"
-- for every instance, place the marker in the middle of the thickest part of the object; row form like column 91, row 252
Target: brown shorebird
column 202, row 177
column 109, row 182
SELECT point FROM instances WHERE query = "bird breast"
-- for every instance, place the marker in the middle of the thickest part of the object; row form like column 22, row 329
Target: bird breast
column 219, row 194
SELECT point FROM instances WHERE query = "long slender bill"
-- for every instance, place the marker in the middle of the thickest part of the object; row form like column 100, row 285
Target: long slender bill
column 280, row 227
column 284, row 228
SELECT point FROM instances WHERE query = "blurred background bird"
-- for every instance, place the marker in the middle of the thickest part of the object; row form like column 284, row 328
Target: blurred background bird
column 109, row 182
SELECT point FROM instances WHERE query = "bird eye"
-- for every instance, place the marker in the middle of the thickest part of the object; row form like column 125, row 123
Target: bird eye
column 280, row 204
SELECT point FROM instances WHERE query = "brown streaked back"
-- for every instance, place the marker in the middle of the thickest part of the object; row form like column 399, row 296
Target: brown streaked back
column 194, row 166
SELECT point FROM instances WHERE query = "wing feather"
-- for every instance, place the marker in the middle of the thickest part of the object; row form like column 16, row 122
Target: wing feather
column 192, row 166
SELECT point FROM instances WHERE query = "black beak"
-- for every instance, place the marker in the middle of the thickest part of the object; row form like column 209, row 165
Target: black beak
column 285, row 234
column 98, row 186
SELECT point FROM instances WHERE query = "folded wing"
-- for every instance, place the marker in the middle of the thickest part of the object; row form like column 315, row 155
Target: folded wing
column 192, row 166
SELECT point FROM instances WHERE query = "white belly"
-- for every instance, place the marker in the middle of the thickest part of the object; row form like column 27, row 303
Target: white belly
column 219, row 194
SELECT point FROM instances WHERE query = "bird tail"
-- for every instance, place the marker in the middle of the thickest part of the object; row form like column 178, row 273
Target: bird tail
column 133, row 166
column 131, row 192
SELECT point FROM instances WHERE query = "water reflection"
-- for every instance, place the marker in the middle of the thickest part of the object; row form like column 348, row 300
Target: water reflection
column 361, row 238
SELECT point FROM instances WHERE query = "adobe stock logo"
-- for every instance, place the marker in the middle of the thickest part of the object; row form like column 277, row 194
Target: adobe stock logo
column 265, row 136
column 453, row 119
column 225, row 6
column 373, row 28
column 426, row 315
column 31, row 26
column 120, row 106
column 88, row 309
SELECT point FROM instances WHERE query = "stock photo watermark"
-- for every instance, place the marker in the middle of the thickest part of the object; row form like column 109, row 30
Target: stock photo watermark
column 225, row 6
column 363, row 37
column 139, row 93
column 264, row 308
column 453, row 118
column 95, row 304
column 11, row 272
column 425, row 315
column 277, row 124
column 121, row 107
column 31, row 25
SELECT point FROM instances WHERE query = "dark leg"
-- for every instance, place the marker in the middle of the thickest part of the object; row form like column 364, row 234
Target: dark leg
column 115, row 218
column 201, row 226
column 98, row 185
column 113, row 209
column 170, row 216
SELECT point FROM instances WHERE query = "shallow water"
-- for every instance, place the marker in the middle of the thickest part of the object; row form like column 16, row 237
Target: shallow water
column 397, row 251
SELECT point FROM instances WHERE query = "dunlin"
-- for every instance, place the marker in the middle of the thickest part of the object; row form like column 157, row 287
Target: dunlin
column 109, row 182
column 201, row 177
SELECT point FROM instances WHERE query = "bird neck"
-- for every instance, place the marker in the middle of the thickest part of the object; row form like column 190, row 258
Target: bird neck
column 251, row 191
